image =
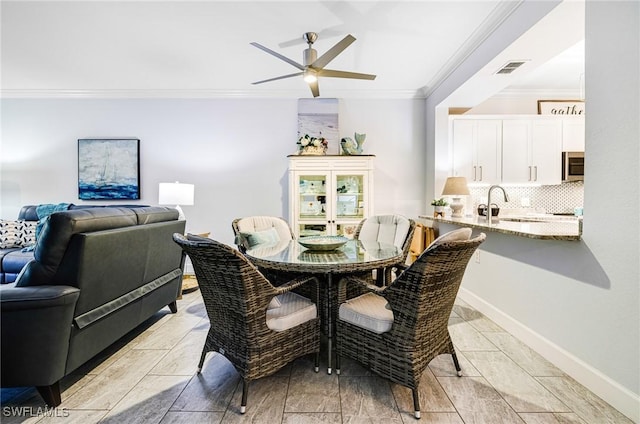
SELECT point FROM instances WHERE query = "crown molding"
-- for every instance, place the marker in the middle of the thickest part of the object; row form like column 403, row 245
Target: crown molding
column 239, row 94
column 201, row 94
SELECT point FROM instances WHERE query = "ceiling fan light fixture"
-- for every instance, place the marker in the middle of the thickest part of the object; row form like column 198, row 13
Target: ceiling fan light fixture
column 310, row 76
column 314, row 66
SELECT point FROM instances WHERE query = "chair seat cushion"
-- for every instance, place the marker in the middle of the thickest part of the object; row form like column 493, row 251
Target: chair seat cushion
column 293, row 310
column 368, row 311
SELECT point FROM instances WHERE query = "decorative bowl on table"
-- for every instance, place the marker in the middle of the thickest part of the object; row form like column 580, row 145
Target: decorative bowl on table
column 322, row 242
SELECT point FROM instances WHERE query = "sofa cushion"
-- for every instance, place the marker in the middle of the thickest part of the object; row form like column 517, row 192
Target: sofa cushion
column 28, row 212
column 18, row 233
column 151, row 214
column 13, row 261
column 57, row 232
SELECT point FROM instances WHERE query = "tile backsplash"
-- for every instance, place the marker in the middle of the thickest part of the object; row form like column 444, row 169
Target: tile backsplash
column 561, row 198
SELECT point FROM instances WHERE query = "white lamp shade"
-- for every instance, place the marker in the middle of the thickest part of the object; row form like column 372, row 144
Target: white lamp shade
column 175, row 194
column 455, row 186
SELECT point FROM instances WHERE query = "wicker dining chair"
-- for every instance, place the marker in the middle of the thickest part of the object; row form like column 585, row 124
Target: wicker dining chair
column 395, row 331
column 392, row 229
column 252, row 230
column 259, row 328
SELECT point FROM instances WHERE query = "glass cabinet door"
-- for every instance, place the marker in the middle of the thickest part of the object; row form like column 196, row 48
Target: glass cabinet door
column 312, row 203
column 349, row 203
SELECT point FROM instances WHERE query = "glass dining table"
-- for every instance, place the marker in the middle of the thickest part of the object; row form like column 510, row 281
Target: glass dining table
column 354, row 257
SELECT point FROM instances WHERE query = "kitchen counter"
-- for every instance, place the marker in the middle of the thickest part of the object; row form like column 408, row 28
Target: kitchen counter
column 546, row 227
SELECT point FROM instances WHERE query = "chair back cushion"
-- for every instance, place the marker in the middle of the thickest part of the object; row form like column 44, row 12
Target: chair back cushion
column 460, row 234
column 253, row 230
column 392, row 229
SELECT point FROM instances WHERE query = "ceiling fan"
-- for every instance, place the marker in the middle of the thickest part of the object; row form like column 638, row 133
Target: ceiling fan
column 313, row 66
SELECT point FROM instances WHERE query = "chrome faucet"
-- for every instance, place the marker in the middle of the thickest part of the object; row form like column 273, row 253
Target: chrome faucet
column 506, row 199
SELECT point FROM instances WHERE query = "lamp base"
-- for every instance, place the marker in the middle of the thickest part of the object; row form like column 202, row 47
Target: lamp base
column 181, row 216
column 456, row 208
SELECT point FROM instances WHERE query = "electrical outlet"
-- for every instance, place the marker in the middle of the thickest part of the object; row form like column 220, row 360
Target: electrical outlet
column 477, row 256
column 525, row 202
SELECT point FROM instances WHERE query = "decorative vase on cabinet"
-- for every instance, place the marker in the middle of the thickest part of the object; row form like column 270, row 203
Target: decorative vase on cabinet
column 329, row 195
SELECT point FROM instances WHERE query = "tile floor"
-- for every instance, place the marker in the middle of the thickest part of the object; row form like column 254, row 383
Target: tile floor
column 149, row 377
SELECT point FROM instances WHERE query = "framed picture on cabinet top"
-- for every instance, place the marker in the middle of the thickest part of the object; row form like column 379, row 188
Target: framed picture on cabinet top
column 561, row 107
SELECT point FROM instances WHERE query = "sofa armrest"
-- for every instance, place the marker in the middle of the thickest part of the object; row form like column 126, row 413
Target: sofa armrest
column 37, row 297
column 35, row 329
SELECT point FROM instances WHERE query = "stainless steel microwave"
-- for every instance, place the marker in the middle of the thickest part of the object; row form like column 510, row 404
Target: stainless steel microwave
column 572, row 166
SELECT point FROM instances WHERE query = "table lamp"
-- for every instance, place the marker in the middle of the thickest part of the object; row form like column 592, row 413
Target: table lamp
column 456, row 187
column 176, row 194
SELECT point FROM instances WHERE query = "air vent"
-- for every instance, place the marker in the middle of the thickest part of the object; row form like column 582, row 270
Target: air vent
column 509, row 67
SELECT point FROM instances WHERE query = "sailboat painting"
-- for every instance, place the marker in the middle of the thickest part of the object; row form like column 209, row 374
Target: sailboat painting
column 108, row 169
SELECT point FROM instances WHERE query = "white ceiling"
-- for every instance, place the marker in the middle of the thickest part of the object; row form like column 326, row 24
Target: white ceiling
column 201, row 48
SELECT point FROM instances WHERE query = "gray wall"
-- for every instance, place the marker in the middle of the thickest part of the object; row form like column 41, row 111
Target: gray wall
column 576, row 303
column 233, row 150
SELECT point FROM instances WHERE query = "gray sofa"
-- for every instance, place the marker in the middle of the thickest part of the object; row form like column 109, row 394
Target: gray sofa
column 13, row 259
column 97, row 273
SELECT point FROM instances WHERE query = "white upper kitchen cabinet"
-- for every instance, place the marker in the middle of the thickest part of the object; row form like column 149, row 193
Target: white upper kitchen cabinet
column 477, row 149
column 573, row 134
column 532, row 151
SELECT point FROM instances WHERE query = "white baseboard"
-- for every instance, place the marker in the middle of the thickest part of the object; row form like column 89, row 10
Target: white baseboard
column 621, row 398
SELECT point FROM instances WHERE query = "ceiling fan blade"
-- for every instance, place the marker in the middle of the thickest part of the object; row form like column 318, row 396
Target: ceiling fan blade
column 278, row 78
column 334, row 51
column 344, row 74
column 315, row 90
column 278, row 55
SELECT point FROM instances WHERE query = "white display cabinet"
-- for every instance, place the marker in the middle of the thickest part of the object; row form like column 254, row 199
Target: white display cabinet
column 329, row 195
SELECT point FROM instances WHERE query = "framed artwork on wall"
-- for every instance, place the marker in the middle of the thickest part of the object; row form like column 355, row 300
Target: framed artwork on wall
column 108, row 169
column 319, row 118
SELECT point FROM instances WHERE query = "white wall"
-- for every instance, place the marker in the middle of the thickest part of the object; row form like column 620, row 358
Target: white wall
column 233, row 150
column 577, row 303
column 515, row 104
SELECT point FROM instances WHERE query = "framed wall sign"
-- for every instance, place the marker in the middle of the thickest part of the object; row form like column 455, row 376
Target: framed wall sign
column 108, row 169
column 560, row 107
